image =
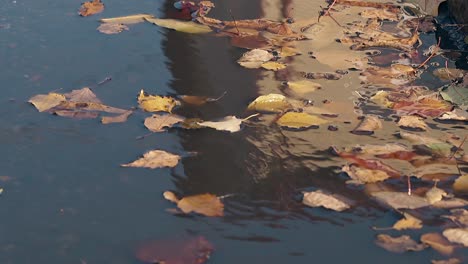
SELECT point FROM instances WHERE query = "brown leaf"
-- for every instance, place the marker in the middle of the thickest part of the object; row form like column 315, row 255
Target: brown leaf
column 459, row 216
column 398, row 244
column 457, row 235
column 180, row 250
column 205, row 204
column 400, row 200
column 157, row 123
column 362, row 176
column 112, row 28
column 155, row 159
column 76, row 114
column 84, row 106
column 447, row 261
column 116, row 119
column 368, row 125
column 438, row 243
column 84, row 95
column 44, row 102
column 319, row 198
column 91, row 8
column 412, row 122
column 461, row 184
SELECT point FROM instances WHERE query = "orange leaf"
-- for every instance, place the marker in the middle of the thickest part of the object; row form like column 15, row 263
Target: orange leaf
column 91, row 8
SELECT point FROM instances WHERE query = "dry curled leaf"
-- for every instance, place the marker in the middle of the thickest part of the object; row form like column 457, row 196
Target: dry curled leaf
column 156, row 103
column 155, row 159
column 274, row 103
column 204, row 204
column 398, row 244
column 321, row 199
column 229, row 123
column 438, row 243
column 111, row 28
column 91, row 8
column 300, row 120
column 157, row 123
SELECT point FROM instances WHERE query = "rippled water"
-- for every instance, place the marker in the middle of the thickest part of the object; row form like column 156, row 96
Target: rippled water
column 68, row 201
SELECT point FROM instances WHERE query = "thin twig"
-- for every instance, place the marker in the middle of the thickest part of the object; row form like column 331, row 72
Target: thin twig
column 458, row 148
column 409, row 185
column 433, row 54
column 250, row 116
column 235, row 22
column 329, row 8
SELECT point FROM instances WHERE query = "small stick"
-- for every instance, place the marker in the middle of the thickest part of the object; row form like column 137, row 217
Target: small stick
column 458, row 148
column 144, row 136
column 250, row 116
column 431, row 56
column 107, row 79
column 328, row 10
column 216, row 99
column 409, row 185
column 235, row 22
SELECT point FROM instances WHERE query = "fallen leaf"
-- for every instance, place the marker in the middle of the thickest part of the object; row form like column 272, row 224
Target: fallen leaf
column 116, row 119
column 368, row 125
column 381, row 14
column 288, row 51
column 229, row 123
column 398, row 244
column 126, row 20
column 156, row 103
column 251, row 42
column 427, row 106
column 91, row 8
column 84, row 95
column 321, row 199
column 300, row 120
column 360, row 175
column 461, row 184
column 270, row 103
column 155, row 159
column 179, row 250
column 323, row 75
column 456, row 114
column 76, row 114
column 438, row 243
column 180, row 25
column 112, row 28
column 273, row 65
column 450, row 203
column 448, row 74
column 255, row 58
column 459, row 216
column 84, row 106
column 400, row 155
column 374, row 149
column 204, row 204
column 412, row 122
column 44, row 102
column 400, row 200
column 447, row 261
column 435, row 146
column 157, row 123
column 409, row 222
column 457, row 235
column 435, row 195
column 303, row 86
column 199, row 100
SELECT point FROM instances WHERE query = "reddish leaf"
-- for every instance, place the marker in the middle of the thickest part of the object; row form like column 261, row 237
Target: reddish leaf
column 193, row 250
column 401, row 155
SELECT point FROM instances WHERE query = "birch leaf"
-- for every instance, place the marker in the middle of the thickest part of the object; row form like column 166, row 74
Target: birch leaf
column 274, row 103
column 204, row 204
column 229, row 123
column 155, row 159
column 156, row 103
column 321, row 199
column 44, row 102
column 273, row 66
column 409, row 222
column 157, row 123
column 300, row 120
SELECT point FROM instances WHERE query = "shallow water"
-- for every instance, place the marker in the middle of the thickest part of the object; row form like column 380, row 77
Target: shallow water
column 68, row 201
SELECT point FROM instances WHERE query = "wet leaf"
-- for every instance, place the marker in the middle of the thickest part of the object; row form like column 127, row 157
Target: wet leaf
column 180, row 25
column 288, row 52
column 116, row 119
column 428, row 106
column 457, row 94
column 321, row 199
column 371, row 164
column 126, row 20
column 400, row 200
column 270, row 103
column 303, row 86
column 158, row 123
column 412, row 122
column 76, row 114
column 255, row 58
column 360, row 175
column 459, row 216
column 323, row 75
column 435, row 195
column 381, row 14
column 380, row 149
column 251, row 42
column 457, row 235
column 84, row 95
column 91, row 8
column 438, row 243
column 435, row 146
column 409, row 222
column 44, row 102
column 450, row 203
column 300, row 120
column 398, row 244
column 229, row 123
column 456, row 114
column 368, row 125
column 181, row 250
column 273, row 66
column 85, row 106
column 461, row 184
column 155, row 159
column 447, row 74
column 204, row 204
column 112, row 28
column 400, row 155
column 156, row 103
column 447, row 261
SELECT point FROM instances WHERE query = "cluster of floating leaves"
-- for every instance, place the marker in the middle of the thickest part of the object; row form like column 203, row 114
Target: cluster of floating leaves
column 433, row 163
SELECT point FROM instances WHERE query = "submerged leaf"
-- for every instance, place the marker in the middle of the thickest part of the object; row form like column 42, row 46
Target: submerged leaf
column 400, row 200
column 44, row 102
column 303, row 86
column 157, row 123
column 180, row 25
column 270, row 103
column 273, row 66
column 300, row 120
column 156, row 103
column 155, row 159
column 91, row 8
column 229, row 123
column 255, row 58
column 205, row 204
column 319, row 198
column 112, row 28
column 362, row 176
column 398, row 244
column 435, row 146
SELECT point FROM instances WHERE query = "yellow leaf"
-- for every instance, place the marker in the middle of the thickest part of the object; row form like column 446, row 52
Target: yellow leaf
column 155, row 159
column 44, row 102
column 288, row 51
column 300, row 120
column 179, row 25
column 380, row 98
column 204, row 204
column 304, row 86
column 155, row 103
column 270, row 103
column 132, row 19
column 409, row 222
column 273, row 66
column 229, row 123
column 461, row 184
